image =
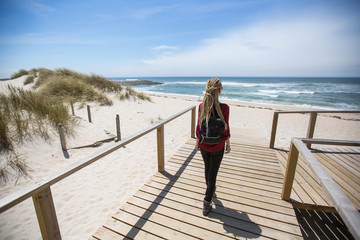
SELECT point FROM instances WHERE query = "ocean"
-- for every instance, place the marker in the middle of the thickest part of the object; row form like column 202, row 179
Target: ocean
column 317, row 93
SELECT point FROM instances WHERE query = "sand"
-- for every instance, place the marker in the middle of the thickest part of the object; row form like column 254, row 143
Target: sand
column 86, row 199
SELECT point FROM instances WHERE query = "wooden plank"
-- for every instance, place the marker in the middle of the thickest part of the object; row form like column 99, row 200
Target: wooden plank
column 152, row 222
column 184, row 222
column 222, row 175
column 46, row 214
column 345, row 208
column 242, row 165
column 193, row 120
column 197, row 165
column 228, row 182
column 345, row 161
column 106, row 234
column 244, row 199
column 341, row 175
column 160, row 148
column 234, row 189
column 294, row 197
column 194, row 207
column 237, row 149
column 130, row 227
column 273, row 129
column 218, row 221
column 252, row 175
column 345, row 180
column 353, row 155
column 347, row 172
column 290, row 172
column 311, row 126
column 308, row 188
column 242, row 174
column 246, row 205
column 297, row 188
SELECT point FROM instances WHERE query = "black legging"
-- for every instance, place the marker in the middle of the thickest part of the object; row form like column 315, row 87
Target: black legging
column 212, row 161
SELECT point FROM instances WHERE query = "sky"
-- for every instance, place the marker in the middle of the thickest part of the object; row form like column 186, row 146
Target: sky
column 138, row 38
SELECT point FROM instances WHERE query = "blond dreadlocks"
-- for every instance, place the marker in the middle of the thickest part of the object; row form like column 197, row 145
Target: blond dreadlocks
column 211, row 99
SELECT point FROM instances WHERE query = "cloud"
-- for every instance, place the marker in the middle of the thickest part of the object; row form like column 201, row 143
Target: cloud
column 310, row 46
column 164, row 48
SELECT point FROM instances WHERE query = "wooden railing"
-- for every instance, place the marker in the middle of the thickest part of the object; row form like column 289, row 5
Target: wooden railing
column 342, row 204
column 41, row 192
column 311, row 125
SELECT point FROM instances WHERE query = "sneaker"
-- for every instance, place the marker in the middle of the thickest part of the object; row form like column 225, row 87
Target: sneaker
column 206, row 208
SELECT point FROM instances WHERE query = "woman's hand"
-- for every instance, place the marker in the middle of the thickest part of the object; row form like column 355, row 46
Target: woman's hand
column 227, row 149
column 227, row 146
column 197, row 145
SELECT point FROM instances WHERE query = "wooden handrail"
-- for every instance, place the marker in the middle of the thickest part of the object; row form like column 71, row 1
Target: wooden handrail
column 311, row 125
column 41, row 193
column 342, row 204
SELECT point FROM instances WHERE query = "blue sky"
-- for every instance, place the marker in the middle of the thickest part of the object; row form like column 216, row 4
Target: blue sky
column 118, row 38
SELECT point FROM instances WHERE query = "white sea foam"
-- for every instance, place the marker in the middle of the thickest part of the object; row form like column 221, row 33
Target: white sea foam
column 185, row 83
column 284, row 91
column 267, row 93
column 299, row 92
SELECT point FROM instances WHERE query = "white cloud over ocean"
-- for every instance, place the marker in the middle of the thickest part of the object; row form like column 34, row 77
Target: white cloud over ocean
column 312, row 46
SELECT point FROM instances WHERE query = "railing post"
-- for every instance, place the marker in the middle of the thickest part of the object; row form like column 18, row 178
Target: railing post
column 46, row 215
column 273, row 129
column 193, row 117
column 62, row 137
column 160, row 148
column 118, row 133
column 89, row 113
column 290, row 172
column 311, row 127
column 72, row 107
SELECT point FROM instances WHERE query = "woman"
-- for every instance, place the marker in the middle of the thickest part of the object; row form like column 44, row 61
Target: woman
column 212, row 154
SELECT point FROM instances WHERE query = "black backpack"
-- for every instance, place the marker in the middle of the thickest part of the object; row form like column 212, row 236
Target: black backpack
column 215, row 129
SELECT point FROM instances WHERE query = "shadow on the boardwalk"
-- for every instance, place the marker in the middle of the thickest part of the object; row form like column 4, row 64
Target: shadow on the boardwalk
column 152, row 208
column 236, row 223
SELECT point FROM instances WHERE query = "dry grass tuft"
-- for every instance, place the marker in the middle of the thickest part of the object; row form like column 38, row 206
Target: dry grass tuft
column 20, row 73
column 25, row 114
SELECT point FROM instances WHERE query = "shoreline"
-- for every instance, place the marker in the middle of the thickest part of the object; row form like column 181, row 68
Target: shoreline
column 265, row 106
column 268, row 105
column 95, row 192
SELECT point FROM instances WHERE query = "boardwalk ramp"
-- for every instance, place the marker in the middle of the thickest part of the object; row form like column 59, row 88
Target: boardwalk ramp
column 247, row 203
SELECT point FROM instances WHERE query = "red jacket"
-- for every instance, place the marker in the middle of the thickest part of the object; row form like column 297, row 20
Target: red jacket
column 226, row 134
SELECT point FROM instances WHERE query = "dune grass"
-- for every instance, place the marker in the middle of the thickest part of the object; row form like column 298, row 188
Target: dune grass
column 20, row 73
column 25, row 114
column 70, row 85
column 29, row 79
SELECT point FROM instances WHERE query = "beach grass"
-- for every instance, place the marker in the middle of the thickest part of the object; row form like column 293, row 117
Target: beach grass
column 25, row 114
column 70, row 85
column 29, row 79
column 20, row 73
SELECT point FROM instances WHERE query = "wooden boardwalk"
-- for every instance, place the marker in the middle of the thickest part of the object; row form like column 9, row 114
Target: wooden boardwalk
column 342, row 164
column 247, row 203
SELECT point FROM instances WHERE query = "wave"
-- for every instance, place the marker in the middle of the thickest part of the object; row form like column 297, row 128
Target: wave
column 267, row 95
column 185, row 83
column 285, row 91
